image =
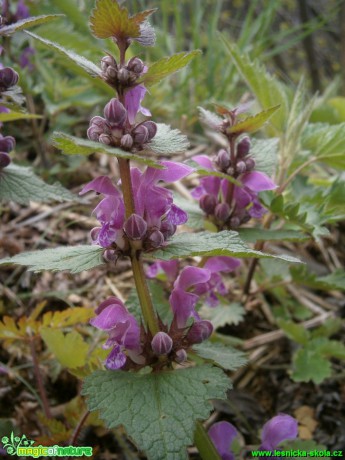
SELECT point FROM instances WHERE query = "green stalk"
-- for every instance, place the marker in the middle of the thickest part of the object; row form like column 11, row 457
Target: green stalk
column 204, row 444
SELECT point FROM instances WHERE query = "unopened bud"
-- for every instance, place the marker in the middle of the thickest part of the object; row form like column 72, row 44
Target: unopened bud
column 115, row 113
column 123, row 76
column 230, row 171
column 241, row 167
column 161, row 343
column 223, row 159
column 250, row 164
column 156, row 239
column 5, row 160
column 108, row 61
column 105, row 139
column 135, row 227
column 110, row 255
column 167, row 229
column 235, row 222
column 243, row 147
column 200, row 331
column 181, row 356
column 126, row 141
column 99, row 122
column 93, row 133
column 8, row 78
column 151, row 128
column 140, row 134
column 135, row 65
column 222, row 211
column 207, row 203
column 111, row 73
column 7, row 143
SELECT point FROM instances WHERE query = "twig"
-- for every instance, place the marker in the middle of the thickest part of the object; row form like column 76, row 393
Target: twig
column 76, row 432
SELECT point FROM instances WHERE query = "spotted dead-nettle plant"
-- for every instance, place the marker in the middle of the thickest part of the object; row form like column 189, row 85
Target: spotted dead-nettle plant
column 160, row 369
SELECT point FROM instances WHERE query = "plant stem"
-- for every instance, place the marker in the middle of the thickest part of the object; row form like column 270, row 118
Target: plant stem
column 41, row 389
column 76, row 432
column 204, row 444
column 125, row 174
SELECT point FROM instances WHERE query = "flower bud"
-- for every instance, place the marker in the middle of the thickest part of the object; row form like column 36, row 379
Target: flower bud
column 8, row 78
column 151, row 128
column 230, row 171
column 167, row 229
column 222, row 211
column 126, row 141
column 5, row 160
column 223, row 159
column 105, row 139
column 235, row 222
column 140, row 134
column 250, row 164
column 111, row 73
column 200, row 331
column 135, row 227
column 181, row 356
column 94, row 233
column 135, row 65
column 7, row 143
column 162, row 343
column 241, row 167
column 99, row 122
column 115, row 113
column 207, row 203
column 156, row 239
column 123, row 76
column 110, row 255
column 108, row 61
column 243, row 147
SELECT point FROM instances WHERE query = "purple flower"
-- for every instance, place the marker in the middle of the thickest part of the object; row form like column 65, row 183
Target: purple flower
column 24, row 59
column 280, row 428
column 169, row 267
column 222, row 435
column 123, row 329
column 22, row 11
column 133, row 99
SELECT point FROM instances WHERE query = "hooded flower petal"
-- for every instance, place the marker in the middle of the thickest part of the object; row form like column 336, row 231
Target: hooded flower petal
column 278, row 429
column 221, row 264
column 222, row 435
column 257, row 181
column 101, row 184
column 133, row 99
column 190, row 276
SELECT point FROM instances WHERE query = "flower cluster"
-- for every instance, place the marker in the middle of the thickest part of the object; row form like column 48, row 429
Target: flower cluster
column 210, row 289
column 7, row 144
column 156, row 216
column 8, row 78
column 132, row 346
column 228, row 205
column 280, row 428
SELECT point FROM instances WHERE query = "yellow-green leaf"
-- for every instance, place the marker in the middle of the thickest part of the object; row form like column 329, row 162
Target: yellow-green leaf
column 109, row 19
column 252, row 124
column 67, row 317
column 12, row 116
column 70, row 349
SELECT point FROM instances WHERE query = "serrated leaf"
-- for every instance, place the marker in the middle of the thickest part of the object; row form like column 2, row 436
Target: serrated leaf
column 9, row 329
column 266, row 88
column 12, row 116
column 251, row 235
column 157, row 410
column 109, row 19
column 223, row 314
column 327, row 348
column 167, row 66
column 68, row 317
column 20, row 184
column 225, row 243
column 210, row 119
column 323, row 139
column 167, row 141
column 81, row 61
column 69, row 349
column 227, row 357
column 265, row 152
column 294, row 331
column 310, row 365
column 74, row 259
column 335, row 280
column 253, row 123
column 75, row 146
column 28, row 22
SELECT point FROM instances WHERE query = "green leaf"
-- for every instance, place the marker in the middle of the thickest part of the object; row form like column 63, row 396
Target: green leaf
column 310, row 365
column 69, row 349
column 335, row 280
column 167, row 66
column 76, row 146
column 251, row 235
column 225, row 243
column 74, row 259
column 295, row 331
column 28, row 22
column 265, row 152
column 207, row 172
column 266, row 88
column 13, row 98
column 21, row 185
column 196, row 216
column 12, row 116
column 306, row 445
column 81, row 61
column 210, row 119
column 227, row 357
column 324, row 140
column 109, row 19
column 157, row 410
column 253, row 123
column 327, row 348
column 223, row 314
column 167, row 141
